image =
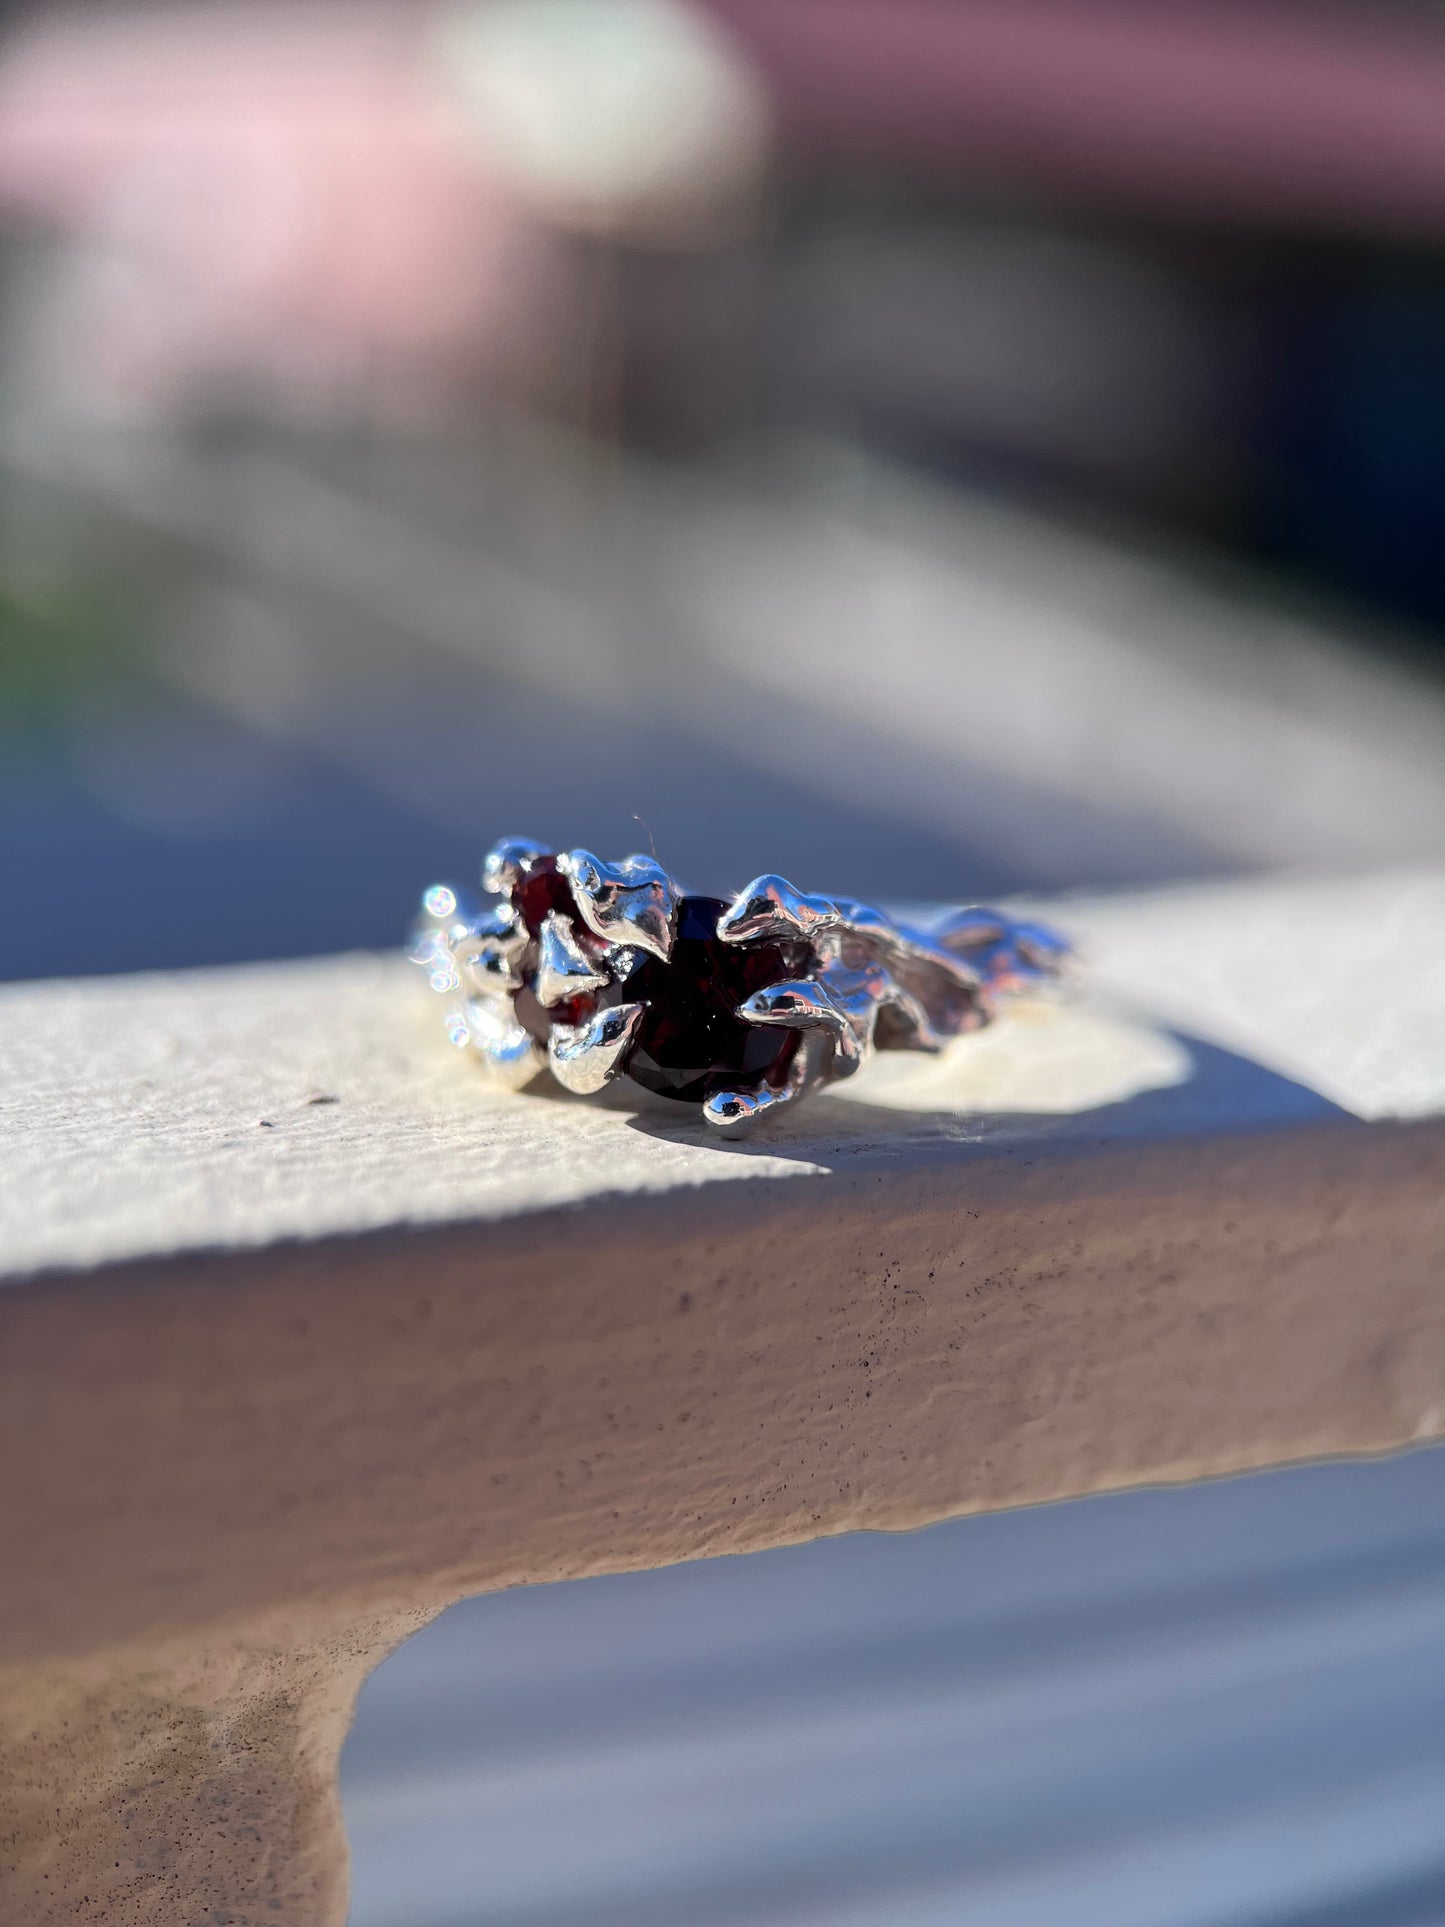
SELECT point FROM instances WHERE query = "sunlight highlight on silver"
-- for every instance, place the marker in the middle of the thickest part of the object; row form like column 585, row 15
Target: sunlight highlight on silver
column 597, row 971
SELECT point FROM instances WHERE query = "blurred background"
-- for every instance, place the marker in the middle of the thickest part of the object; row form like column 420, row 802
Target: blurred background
column 929, row 447
column 1219, row 1706
column 1000, row 441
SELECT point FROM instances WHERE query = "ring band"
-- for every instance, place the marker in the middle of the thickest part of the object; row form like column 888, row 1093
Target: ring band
column 596, row 971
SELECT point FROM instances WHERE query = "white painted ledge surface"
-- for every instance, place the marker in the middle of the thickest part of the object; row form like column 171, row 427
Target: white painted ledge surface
column 158, row 1114
column 301, row 1315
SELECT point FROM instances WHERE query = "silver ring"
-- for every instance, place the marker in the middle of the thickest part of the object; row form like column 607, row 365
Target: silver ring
column 594, row 971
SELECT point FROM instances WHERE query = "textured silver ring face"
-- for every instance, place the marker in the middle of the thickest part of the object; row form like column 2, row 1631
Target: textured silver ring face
column 592, row 971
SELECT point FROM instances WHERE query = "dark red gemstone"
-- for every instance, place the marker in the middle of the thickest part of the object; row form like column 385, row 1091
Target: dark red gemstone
column 689, row 1042
column 537, row 1020
column 542, row 890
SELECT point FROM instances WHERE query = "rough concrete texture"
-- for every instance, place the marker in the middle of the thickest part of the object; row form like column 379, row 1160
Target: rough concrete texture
column 191, row 1784
column 218, row 1108
column 299, row 1372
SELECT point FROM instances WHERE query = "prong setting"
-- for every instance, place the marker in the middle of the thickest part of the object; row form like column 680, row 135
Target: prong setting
column 564, row 970
column 841, row 1002
column 770, row 907
column 733, row 1113
column 510, row 1054
column 631, row 902
column 506, row 861
column 602, row 971
column 489, row 955
column 584, row 1057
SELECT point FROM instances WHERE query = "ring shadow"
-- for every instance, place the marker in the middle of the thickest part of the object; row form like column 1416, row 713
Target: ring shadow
column 1221, row 1092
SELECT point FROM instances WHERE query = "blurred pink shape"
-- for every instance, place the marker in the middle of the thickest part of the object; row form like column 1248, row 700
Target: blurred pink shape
column 257, row 190
column 286, row 196
column 1310, row 116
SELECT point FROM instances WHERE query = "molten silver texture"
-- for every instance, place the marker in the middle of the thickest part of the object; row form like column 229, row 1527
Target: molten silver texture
column 595, row 971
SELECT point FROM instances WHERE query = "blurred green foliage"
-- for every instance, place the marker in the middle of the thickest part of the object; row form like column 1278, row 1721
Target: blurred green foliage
column 63, row 640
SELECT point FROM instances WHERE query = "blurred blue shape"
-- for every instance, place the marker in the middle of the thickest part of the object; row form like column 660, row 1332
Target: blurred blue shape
column 324, row 853
column 1172, row 1708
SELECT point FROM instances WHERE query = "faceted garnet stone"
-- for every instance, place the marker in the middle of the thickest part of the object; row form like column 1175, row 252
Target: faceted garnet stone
column 688, row 1043
column 542, row 889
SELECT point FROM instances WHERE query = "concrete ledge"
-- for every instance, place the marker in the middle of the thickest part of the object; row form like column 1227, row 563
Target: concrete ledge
column 298, row 1306
column 306, row 1332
